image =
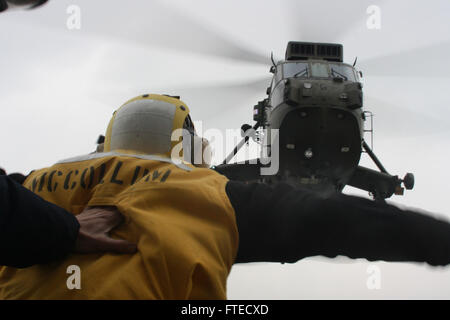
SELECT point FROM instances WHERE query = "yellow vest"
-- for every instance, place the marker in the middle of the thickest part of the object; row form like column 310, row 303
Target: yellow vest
column 179, row 216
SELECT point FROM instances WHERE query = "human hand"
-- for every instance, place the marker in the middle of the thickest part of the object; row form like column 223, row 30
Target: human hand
column 95, row 224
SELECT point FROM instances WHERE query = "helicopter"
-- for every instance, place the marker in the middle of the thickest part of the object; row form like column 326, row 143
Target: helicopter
column 316, row 102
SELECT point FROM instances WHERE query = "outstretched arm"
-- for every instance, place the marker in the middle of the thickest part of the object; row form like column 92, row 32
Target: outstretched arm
column 283, row 224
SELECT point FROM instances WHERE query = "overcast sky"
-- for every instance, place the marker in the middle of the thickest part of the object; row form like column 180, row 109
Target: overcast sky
column 59, row 87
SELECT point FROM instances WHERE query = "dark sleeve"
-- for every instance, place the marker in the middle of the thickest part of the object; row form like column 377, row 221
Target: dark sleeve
column 283, row 224
column 32, row 231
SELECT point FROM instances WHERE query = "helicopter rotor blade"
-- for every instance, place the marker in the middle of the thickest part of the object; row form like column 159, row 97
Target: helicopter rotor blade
column 150, row 23
column 223, row 100
column 210, row 101
column 186, row 33
column 319, row 22
column 394, row 120
column 407, row 63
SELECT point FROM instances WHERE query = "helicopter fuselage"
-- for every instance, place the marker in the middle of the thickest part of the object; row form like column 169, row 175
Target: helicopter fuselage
column 317, row 105
column 314, row 121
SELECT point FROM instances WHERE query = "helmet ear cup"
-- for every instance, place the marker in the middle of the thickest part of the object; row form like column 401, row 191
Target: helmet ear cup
column 100, row 148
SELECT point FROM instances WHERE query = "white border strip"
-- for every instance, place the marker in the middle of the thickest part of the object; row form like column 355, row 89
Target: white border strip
column 98, row 155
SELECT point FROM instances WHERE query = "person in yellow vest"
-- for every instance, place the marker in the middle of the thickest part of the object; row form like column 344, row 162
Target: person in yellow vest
column 192, row 224
column 178, row 215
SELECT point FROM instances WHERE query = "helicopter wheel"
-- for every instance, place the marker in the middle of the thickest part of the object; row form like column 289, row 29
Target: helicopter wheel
column 408, row 181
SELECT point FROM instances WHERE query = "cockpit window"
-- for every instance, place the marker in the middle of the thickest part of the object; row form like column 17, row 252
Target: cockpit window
column 319, row 70
column 342, row 71
column 295, row 70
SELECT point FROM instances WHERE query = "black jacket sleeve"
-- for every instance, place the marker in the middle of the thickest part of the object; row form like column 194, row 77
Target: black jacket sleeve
column 283, row 224
column 32, row 231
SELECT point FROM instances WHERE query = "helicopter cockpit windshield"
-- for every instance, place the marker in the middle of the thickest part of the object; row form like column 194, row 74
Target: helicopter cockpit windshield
column 318, row 70
column 295, row 70
column 342, row 71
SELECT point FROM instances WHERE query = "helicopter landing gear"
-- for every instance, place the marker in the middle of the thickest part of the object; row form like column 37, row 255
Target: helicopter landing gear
column 408, row 181
column 380, row 184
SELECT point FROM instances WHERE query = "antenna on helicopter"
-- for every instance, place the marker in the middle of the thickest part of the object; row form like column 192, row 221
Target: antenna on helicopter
column 354, row 63
column 271, row 58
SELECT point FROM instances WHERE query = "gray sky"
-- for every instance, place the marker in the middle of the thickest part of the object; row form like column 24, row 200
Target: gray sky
column 59, row 88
